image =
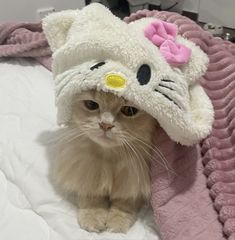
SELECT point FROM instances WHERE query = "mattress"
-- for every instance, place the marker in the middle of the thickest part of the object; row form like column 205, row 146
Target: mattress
column 30, row 207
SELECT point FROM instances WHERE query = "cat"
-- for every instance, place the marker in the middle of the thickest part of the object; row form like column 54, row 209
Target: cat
column 104, row 158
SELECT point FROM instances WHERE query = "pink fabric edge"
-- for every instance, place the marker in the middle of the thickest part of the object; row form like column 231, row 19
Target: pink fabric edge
column 25, row 40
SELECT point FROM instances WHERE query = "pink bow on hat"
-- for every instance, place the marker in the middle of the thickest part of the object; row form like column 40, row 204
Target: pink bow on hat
column 163, row 35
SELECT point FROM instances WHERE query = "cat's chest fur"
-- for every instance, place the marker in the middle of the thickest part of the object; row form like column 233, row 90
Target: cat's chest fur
column 91, row 170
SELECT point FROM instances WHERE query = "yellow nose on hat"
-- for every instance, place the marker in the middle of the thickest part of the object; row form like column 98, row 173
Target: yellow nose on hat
column 115, row 81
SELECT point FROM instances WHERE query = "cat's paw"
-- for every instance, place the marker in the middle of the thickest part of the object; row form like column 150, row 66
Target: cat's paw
column 119, row 221
column 93, row 220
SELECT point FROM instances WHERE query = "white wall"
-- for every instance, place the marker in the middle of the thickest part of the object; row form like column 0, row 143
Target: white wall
column 26, row 10
column 191, row 5
column 186, row 5
column 218, row 12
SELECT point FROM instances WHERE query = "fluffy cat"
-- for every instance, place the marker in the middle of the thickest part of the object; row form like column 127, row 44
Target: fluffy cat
column 103, row 157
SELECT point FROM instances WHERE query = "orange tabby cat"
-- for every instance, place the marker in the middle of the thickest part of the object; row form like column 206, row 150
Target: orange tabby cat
column 104, row 159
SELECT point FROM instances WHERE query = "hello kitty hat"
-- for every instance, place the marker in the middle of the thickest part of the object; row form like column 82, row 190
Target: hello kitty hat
column 146, row 62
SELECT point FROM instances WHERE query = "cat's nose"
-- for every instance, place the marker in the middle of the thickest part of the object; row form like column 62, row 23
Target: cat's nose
column 106, row 126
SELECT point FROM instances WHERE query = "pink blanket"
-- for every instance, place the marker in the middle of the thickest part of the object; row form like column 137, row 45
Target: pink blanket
column 183, row 205
column 24, row 40
column 187, row 203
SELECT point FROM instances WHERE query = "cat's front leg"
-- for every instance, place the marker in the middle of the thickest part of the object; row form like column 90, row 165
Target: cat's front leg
column 123, row 214
column 92, row 213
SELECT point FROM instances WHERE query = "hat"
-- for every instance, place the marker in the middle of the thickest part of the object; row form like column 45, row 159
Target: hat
column 145, row 62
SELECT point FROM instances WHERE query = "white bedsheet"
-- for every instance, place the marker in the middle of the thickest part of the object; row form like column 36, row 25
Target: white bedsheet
column 29, row 207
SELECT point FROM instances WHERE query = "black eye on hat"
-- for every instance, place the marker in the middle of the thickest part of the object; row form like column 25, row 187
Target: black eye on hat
column 97, row 65
column 144, row 74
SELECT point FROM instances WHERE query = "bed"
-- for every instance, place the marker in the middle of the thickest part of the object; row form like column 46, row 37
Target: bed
column 30, row 207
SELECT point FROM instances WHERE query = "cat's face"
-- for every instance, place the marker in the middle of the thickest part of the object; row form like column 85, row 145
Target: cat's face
column 109, row 120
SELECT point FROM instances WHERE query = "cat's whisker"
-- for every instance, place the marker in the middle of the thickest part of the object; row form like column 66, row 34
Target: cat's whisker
column 88, row 128
column 126, row 152
column 137, row 157
column 161, row 163
column 132, row 159
column 140, row 157
column 70, row 134
column 134, row 148
column 63, row 135
column 155, row 150
column 72, row 138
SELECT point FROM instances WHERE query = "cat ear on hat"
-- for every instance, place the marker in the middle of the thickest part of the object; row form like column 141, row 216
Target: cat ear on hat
column 56, row 27
column 197, row 64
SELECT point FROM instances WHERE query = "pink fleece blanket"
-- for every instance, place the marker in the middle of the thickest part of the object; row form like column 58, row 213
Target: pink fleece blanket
column 24, row 40
column 195, row 198
column 184, row 208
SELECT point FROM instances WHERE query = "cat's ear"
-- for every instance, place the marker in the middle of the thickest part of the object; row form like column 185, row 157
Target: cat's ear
column 56, row 27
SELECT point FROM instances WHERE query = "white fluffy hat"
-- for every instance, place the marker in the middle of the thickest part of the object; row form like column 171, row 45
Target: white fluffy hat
column 93, row 49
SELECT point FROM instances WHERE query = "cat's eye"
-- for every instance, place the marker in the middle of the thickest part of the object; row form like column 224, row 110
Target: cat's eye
column 129, row 111
column 91, row 105
column 144, row 74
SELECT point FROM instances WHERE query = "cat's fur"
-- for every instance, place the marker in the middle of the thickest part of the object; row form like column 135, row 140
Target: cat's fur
column 109, row 174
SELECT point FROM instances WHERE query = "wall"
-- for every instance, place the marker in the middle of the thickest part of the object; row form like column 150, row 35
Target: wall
column 186, row 5
column 26, row 10
column 218, row 12
column 191, row 5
